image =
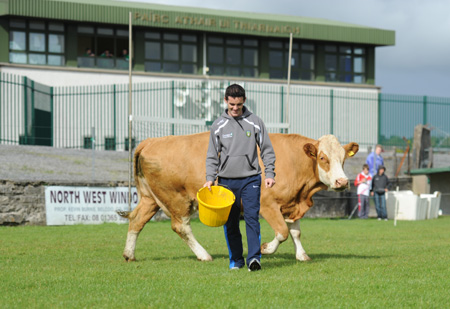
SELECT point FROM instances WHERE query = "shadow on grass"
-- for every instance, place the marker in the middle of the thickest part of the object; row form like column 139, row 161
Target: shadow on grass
column 166, row 258
column 179, row 257
column 274, row 259
column 326, row 256
column 284, row 259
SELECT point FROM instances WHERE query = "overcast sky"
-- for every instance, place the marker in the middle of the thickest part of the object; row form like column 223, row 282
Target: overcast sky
column 418, row 64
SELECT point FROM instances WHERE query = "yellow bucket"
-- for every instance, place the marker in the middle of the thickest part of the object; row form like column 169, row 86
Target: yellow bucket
column 214, row 206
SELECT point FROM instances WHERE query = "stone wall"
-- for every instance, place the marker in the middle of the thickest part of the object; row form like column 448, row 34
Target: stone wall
column 23, row 203
column 337, row 205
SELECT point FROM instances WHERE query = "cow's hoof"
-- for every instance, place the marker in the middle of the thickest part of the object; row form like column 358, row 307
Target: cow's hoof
column 268, row 248
column 303, row 257
column 128, row 259
column 264, row 248
column 205, row 258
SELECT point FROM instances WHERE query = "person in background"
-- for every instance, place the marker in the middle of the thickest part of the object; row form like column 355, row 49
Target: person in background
column 233, row 157
column 380, row 185
column 88, row 53
column 375, row 160
column 106, row 54
column 125, row 55
column 363, row 182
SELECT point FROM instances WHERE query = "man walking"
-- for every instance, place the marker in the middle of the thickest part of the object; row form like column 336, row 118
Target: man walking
column 233, row 158
column 374, row 160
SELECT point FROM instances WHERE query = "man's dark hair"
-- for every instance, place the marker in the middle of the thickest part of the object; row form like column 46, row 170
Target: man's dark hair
column 365, row 166
column 235, row 91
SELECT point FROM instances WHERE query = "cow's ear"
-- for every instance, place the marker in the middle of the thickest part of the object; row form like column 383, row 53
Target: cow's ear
column 351, row 149
column 310, row 150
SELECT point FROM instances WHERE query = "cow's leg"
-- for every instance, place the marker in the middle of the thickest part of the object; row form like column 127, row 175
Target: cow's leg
column 182, row 227
column 294, row 230
column 144, row 211
column 276, row 221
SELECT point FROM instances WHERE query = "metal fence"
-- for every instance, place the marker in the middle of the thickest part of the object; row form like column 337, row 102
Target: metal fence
column 399, row 114
column 97, row 116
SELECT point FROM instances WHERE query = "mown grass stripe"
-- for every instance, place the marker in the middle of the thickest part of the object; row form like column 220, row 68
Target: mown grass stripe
column 355, row 264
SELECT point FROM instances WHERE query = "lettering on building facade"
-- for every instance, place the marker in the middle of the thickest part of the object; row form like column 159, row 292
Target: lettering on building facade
column 154, row 18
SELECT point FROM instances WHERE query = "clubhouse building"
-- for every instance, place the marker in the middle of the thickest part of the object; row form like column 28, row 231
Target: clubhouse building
column 60, row 42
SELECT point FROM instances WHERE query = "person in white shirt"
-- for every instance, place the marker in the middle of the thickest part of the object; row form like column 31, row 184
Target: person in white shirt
column 363, row 181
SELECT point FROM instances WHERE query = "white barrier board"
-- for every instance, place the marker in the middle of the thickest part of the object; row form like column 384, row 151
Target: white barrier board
column 86, row 205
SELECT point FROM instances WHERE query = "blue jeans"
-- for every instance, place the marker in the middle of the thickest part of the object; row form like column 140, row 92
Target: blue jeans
column 380, row 205
column 364, row 206
column 249, row 191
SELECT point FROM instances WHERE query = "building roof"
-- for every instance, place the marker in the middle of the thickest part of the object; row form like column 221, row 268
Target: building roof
column 200, row 19
column 426, row 171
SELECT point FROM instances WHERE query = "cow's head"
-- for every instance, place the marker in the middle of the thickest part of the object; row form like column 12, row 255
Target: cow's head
column 330, row 156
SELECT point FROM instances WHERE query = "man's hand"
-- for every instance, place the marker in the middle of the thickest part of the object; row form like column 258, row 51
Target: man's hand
column 270, row 182
column 208, row 184
column 371, row 193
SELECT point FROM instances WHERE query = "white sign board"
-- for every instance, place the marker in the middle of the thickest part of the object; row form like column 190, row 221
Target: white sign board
column 86, row 205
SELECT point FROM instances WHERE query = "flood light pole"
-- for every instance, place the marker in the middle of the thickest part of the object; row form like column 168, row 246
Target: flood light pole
column 130, row 116
column 289, row 81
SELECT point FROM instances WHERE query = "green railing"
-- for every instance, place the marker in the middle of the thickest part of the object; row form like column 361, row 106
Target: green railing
column 399, row 114
column 97, row 116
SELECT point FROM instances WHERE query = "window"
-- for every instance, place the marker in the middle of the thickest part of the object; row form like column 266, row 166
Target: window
column 171, row 52
column 302, row 60
column 307, row 62
column 127, row 144
column 232, row 56
column 87, row 142
column 102, row 47
column 345, row 63
column 110, row 143
column 36, row 42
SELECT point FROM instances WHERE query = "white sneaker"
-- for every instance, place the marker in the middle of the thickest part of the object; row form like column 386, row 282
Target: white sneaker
column 379, row 219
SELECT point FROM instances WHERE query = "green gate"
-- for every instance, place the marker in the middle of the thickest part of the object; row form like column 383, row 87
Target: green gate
column 38, row 107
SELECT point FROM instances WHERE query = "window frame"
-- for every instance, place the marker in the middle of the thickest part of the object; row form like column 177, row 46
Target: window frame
column 181, row 43
column 118, row 62
column 341, row 74
column 296, row 69
column 46, row 31
column 242, row 46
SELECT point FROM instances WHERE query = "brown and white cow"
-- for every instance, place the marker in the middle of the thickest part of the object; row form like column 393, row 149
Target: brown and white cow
column 170, row 170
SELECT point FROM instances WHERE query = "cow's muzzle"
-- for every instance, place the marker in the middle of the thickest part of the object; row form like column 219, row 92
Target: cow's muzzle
column 340, row 184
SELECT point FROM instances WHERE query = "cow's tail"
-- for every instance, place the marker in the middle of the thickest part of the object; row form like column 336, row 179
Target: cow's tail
column 124, row 213
column 137, row 165
column 137, row 173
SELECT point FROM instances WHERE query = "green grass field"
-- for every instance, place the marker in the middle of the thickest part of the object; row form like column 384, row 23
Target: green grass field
column 355, row 263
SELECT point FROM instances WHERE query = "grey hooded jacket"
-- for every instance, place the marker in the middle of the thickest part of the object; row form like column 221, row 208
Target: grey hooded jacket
column 232, row 151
